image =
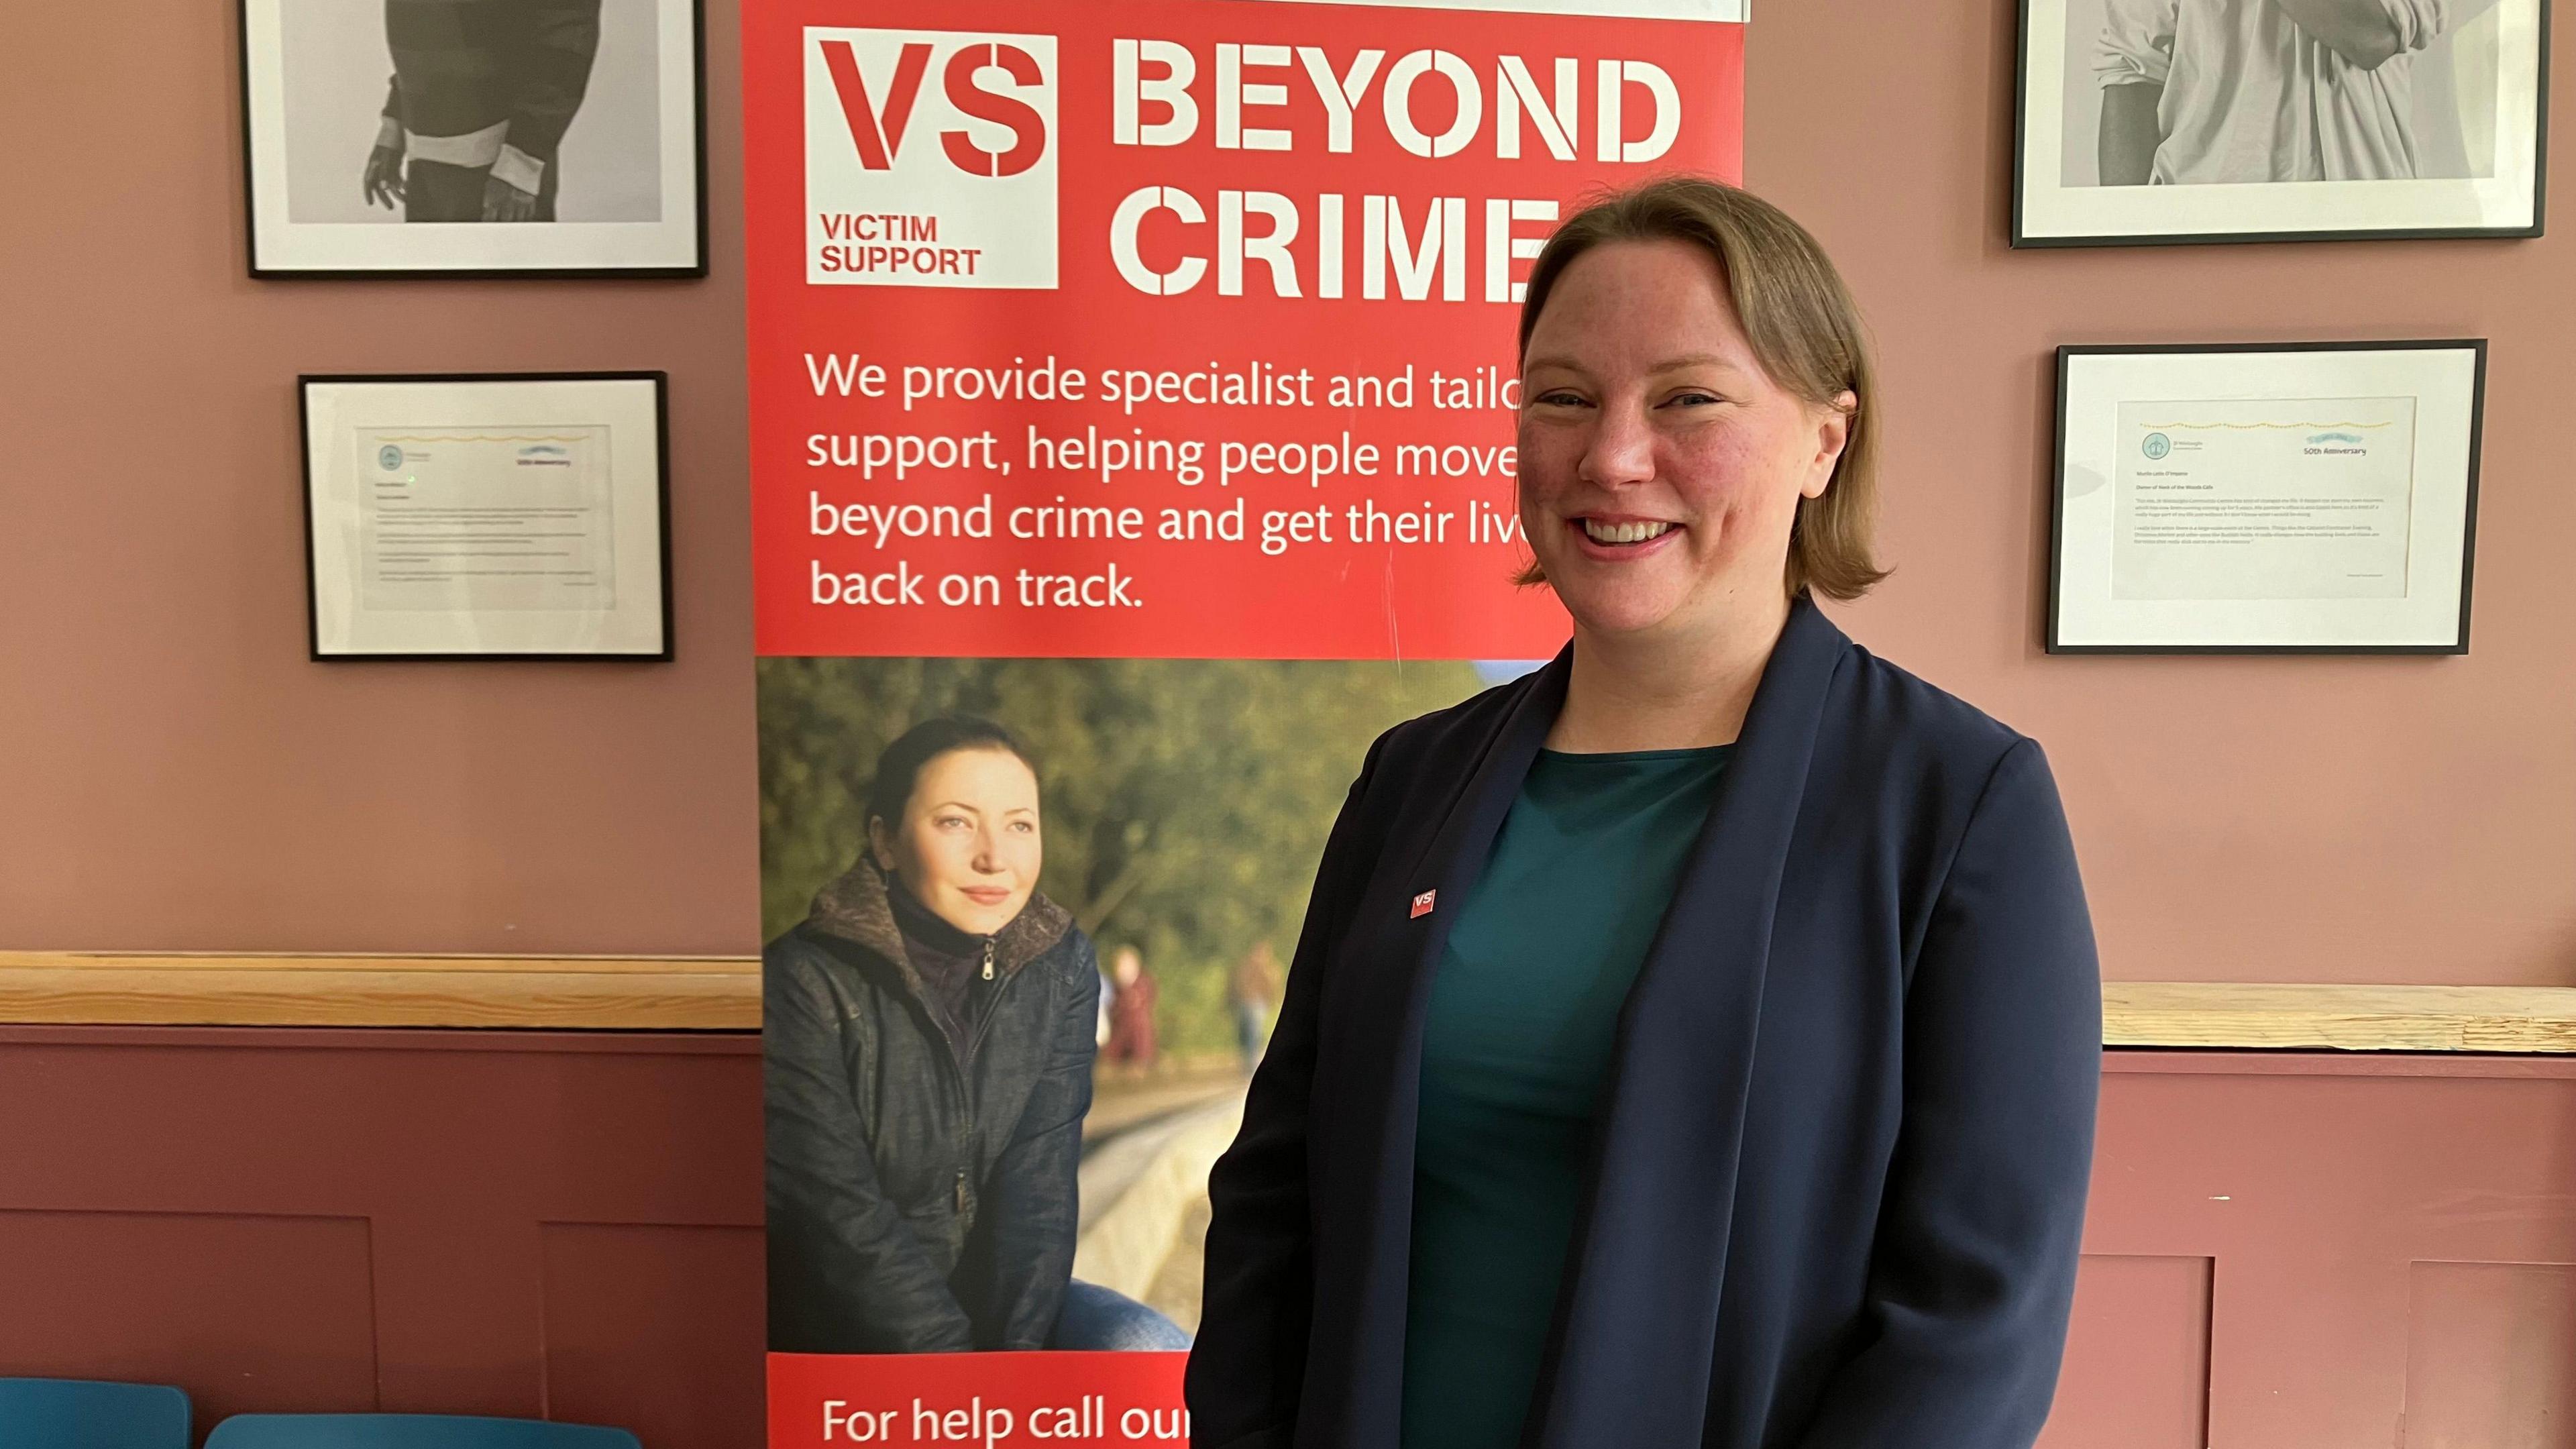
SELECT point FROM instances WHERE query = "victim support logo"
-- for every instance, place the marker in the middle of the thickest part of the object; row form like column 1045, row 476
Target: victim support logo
column 878, row 131
column 912, row 183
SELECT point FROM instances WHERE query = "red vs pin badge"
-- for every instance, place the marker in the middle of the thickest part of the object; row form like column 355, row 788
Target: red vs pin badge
column 1422, row 905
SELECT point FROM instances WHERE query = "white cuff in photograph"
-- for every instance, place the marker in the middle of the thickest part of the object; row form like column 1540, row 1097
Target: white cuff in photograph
column 474, row 148
column 519, row 169
column 389, row 132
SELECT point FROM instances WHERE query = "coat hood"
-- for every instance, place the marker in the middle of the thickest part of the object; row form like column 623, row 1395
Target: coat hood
column 855, row 908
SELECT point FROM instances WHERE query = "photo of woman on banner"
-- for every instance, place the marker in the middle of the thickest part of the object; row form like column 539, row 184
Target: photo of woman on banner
column 929, row 1044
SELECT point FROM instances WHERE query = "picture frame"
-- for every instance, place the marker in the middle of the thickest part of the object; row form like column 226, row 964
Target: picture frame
column 568, row 140
column 487, row 515
column 2452, row 144
column 2266, row 498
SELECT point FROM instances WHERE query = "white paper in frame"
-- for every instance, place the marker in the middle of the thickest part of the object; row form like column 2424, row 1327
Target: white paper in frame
column 501, row 516
column 2096, row 599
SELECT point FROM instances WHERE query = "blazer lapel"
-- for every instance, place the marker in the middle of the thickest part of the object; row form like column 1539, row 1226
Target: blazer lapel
column 1638, row 1316
column 1396, row 949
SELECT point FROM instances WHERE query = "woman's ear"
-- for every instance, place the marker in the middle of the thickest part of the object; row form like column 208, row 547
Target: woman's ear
column 880, row 843
column 1833, row 432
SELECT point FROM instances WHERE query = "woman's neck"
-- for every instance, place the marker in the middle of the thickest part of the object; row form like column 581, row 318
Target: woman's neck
column 921, row 924
column 1667, row 691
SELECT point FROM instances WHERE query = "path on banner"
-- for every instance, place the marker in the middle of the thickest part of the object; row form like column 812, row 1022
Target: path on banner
column 1147, row 1148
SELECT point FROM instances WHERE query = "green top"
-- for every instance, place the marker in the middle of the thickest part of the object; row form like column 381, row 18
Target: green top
column 1515, row 1054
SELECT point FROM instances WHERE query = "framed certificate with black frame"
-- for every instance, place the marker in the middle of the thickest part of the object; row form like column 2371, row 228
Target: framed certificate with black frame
column 487, row 516
column 474, row 138
column 2147, row 121
column 2304, row 497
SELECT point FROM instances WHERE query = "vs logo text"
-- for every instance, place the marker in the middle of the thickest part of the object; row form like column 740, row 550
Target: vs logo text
column 930, row 158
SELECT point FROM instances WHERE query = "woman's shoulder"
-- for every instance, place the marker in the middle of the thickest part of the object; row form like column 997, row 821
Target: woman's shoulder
column 793, row 949
column 804, row 983
column 1466, row 725
column 1074, row 955
column 1907, row 701
column 809, row 964
column 1920, row 736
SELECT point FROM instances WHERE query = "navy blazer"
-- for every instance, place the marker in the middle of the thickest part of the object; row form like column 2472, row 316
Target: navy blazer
column 1839, row 1169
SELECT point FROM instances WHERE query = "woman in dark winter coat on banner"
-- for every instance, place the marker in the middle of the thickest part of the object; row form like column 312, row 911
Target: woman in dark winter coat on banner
column 1694, row 1042
column 928, row 1045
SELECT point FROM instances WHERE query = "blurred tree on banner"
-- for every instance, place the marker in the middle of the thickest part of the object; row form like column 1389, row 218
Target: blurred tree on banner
column 1185, row 802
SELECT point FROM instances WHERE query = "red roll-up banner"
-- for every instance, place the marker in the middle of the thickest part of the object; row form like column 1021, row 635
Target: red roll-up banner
column 1132, row 398
column 1170, row 328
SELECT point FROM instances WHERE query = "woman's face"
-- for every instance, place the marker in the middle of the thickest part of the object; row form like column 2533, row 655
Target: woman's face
column 1660, row 466
column 967, row 846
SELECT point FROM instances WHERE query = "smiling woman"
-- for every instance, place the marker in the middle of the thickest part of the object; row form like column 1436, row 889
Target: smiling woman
column 1512, row 1172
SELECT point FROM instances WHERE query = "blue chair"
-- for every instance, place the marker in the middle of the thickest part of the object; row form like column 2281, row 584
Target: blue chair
column 88, row 1414
column 409, row 1431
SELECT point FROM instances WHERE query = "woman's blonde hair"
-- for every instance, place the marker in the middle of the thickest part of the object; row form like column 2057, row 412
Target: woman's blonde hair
column 1805, row 331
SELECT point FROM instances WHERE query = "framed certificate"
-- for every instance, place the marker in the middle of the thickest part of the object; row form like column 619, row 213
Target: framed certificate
column 2144, row 121
column 487, row 516
column 2312, row 497
column 483, row 138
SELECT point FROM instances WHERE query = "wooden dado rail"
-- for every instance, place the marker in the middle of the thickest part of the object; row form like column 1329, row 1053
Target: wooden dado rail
column 660, row 993
column 722, row 993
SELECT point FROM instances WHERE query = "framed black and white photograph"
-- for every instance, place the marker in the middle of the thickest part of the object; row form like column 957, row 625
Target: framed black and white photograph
column 390, row 138
column 2315, row 497
column 2145, row 121
column 488, row 516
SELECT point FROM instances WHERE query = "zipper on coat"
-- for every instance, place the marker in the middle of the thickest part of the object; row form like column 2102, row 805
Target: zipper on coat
column 957, row 1074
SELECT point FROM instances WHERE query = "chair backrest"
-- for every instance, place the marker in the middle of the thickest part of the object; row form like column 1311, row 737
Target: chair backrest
column 409, row 1431
column 91, row 1414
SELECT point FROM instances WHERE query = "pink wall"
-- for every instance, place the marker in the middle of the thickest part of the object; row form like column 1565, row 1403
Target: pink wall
column 2281, row 819
column 176, row 775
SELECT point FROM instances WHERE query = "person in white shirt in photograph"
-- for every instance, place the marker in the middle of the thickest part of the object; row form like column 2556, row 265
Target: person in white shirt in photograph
column 2203, row 91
